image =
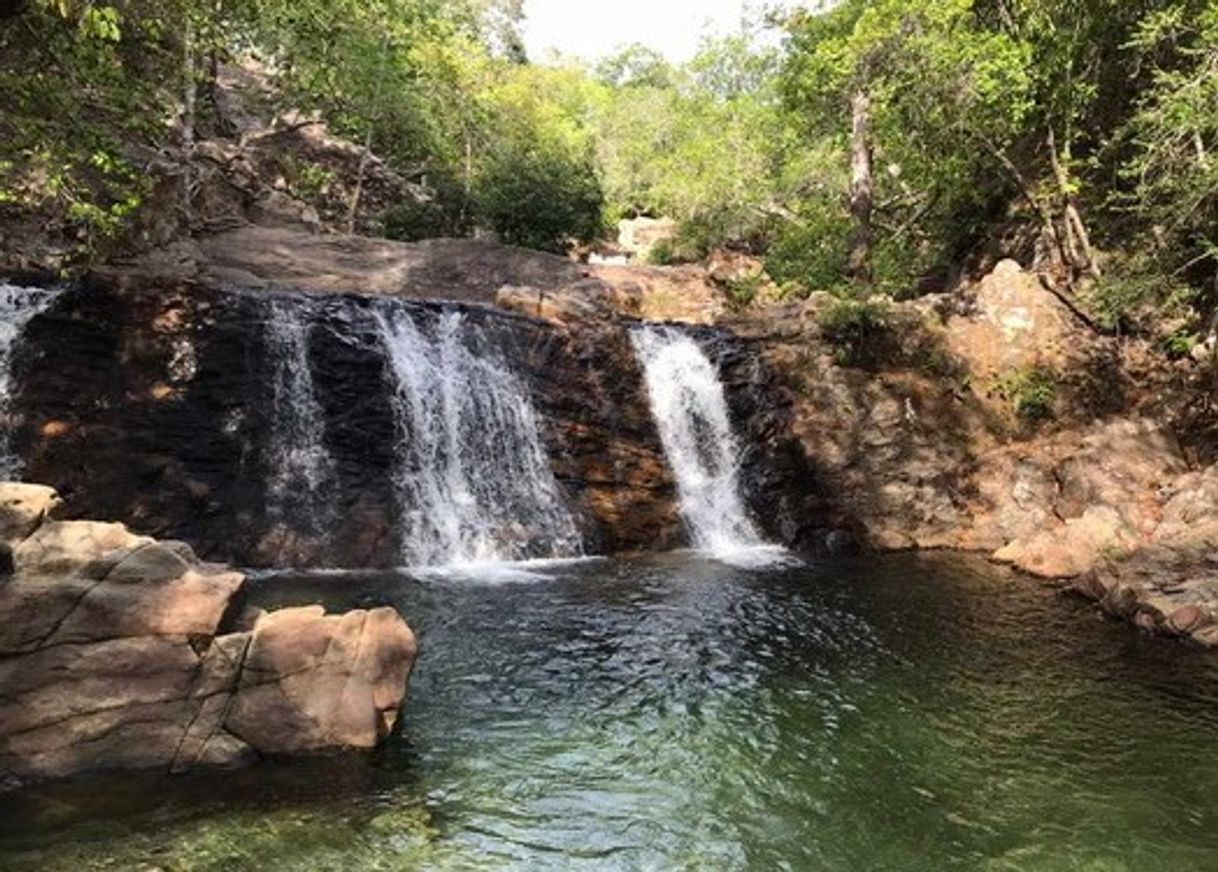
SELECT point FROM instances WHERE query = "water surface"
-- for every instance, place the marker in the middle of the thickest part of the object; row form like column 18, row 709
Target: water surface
column 910, row 713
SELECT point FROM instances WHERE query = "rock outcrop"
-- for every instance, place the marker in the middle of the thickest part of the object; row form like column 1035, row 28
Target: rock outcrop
column 1168, row 585
column 924, row 451
column 118, row 651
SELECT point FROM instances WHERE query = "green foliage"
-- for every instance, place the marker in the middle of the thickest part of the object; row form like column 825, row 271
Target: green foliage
column 745, row 146
column 1136, row 293
column 869, row 332
column 79, row 85
column 810, row 253
column 742, row 290
column 308, row 181
column 940, row 87
column 663, row 253
column 1031, row 392
column 858, row 328
column 705, row 144
column 539, row 197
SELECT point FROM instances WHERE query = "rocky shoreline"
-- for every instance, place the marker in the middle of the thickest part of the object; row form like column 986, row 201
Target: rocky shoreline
column 119, row 651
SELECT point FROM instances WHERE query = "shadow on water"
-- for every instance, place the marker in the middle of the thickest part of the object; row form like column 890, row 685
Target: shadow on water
column 905, row 712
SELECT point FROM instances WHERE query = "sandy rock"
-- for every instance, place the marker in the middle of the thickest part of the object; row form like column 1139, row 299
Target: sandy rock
column 1070, row 549
column 1192, row 507
column 1122, row 464
column 113, row 654
column 23, row 507
column 312, row 681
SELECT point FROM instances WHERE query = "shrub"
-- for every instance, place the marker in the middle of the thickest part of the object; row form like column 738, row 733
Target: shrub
column 536, row 195
column 742, row 290
column 1031, row 391
column 662, row 253
column 858, row 328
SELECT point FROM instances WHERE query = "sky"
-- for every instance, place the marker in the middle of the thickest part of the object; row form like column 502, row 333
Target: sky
column 593, row 29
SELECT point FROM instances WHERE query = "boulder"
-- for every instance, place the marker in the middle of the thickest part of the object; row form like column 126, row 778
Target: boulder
column 1015, row 324
column 115, row 653
column 1069, row 549
column 313, row 681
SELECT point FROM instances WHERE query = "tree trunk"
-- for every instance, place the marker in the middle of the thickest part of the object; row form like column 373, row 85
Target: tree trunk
column 353, row 209
column 189, row 86
column 1078, row 241
column 862, row 187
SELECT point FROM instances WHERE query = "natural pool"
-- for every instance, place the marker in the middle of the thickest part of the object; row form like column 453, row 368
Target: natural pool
column 909, row 713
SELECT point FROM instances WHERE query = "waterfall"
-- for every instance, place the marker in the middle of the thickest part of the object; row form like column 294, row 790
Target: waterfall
column 300, row 466
column 18, row 306
column 690, row 411
column 473, row 478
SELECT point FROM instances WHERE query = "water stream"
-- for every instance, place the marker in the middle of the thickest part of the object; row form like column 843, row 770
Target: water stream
column 301, row 466
column 18, row 306
column 473, row 477
column 691, row 413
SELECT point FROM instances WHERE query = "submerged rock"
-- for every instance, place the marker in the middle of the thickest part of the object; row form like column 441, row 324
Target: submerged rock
column 114, row 653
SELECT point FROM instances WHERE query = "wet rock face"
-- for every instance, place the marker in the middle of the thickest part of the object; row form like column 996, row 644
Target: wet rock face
column 115, row 653
column 156, row 407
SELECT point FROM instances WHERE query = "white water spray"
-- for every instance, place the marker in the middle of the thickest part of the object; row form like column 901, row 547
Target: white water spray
column 301, row 467
column 473, row 478
column 18, row 306
column 690, row 411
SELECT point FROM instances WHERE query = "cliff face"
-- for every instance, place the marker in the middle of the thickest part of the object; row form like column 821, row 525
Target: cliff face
column 152, row 400
column 156, row 406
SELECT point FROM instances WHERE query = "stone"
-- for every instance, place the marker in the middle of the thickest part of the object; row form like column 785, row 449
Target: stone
column 23, row 507
column 1015, row 324
column 312, row 681
column 1070, row 549
column 1187, row 619
column 114, row 654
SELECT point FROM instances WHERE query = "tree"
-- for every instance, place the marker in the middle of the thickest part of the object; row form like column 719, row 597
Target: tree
column 918, row 87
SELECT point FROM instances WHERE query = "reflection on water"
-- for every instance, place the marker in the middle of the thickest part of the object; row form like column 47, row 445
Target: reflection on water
column 897, row 713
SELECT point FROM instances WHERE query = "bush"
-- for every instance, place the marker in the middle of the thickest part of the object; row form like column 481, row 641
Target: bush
column 1031, row 391
column 444, row 213
column 811, row 255
column 1137, row 296
column 858, row 328
column 538, row 196
column 662, row 253
column 742, row 290
column 871, row 333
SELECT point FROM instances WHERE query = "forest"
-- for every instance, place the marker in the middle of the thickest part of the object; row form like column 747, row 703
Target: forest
column 885, row 147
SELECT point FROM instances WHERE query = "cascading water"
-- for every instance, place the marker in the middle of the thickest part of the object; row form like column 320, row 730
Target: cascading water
column 474, row 481
column 690, row 410
column 18, row 306
column 301, row 467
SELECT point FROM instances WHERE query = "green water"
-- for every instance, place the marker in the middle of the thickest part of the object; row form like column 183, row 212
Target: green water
column 920, row 713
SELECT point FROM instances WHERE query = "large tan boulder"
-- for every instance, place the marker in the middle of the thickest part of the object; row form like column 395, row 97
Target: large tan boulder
column 312, row 681
column 1016, row 324
column 114, row 653
column 1069, row 549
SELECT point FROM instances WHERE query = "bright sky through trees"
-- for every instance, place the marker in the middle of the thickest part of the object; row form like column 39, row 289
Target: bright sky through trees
column 593, row 29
